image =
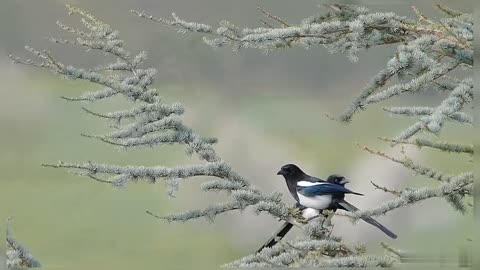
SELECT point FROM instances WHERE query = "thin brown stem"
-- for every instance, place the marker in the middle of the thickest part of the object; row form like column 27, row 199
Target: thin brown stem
column 409, row 164
column 266, row 23
column 266, row 13
column 392, row 191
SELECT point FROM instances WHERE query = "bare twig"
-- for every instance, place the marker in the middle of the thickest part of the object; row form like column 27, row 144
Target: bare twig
column 421, row 16
column 266, row 23
column 266, row 13
column 408, row 163
column 394, row 192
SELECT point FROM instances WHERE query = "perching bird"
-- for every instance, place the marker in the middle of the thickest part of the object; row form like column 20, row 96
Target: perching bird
column 307, row 213
column 312, row 192
column 313, row 195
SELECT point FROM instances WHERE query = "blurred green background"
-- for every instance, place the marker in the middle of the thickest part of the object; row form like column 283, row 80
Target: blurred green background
column 266, row 111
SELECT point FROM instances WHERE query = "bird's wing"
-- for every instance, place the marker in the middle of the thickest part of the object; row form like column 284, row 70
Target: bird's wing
column 311, row 189
column 313, row 179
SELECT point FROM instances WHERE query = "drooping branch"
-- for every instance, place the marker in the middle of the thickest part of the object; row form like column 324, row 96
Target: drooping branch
column 461, row 95
column 345, row 29
column 416, row 168
column 440, row 145
column 241, row 199
column 458, row 185
column 18, row 256
column 388, row 190
column 149, row 121
column 219, row 169
column 424, row 43
column 459, row 117
column 456, row 199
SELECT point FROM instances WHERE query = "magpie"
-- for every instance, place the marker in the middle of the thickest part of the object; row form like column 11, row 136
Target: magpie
column 313, row 195
column 307, row 213
column 312, row 192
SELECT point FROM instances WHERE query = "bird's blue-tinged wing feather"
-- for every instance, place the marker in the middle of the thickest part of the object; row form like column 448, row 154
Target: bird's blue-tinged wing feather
column 322, row 189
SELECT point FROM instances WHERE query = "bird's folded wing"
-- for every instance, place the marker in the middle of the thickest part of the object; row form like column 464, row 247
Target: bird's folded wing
column 311, row 189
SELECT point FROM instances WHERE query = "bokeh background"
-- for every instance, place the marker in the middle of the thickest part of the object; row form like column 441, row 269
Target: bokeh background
column 266, row 111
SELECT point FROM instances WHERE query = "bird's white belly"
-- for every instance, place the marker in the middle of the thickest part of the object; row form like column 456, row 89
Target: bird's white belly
column 318, row 202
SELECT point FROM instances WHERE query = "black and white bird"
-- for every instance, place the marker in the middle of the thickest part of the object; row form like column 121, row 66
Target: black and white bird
column 313, row 195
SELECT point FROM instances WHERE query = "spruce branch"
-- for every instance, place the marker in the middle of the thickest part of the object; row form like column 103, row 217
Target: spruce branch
column 388, row 248
column 18, row 256
column 149, row 121
column 410, row 164
column 416, row 84
column 394, row 192
column 456, row 199
column 241, row 199
column 459, row 117
column 298, row 252
column 433, row 123
column 158, row 110
column 215, row 169
column 449, row 11
column 349, row 29
column 458, row 185
column 396, row 254
column 440, row 145
column 363, row 261
column 368, row 29
column 421, row 16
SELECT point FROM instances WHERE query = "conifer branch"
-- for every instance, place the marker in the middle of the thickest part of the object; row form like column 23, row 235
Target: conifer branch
column 428, row 50
column 449, row 11
column 148, row 122
column 416, row 168
column 394, row 192
column 18, row 256
column 336, row 33
column 459, row 117
column 443, row 146
column 397, row 254
column 458, row 185
column 461, row 95
column 348, row 29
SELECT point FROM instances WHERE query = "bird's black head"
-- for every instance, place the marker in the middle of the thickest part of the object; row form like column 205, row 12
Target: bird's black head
column 290, row 170
column 337, row 179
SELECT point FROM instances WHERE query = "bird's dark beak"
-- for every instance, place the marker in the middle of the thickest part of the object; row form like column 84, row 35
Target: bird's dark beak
column 280, row 172
column 344, row 181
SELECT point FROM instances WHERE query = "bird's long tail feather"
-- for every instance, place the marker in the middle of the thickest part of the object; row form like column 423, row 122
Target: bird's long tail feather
column 349, row 207
column 279, row 234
